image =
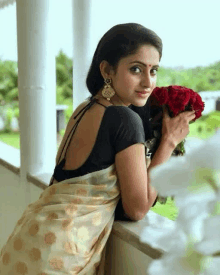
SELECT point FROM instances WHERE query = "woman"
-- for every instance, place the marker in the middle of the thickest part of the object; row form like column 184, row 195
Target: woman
column 102, row 157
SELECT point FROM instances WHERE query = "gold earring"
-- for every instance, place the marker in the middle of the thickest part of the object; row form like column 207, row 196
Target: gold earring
column 108, row 91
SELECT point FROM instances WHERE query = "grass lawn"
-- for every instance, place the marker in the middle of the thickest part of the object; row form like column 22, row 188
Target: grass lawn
column 12, row 139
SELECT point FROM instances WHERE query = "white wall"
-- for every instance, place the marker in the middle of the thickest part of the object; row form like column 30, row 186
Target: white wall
column 11, row 207
column 11, row 203
column 124, row 259
column 210, row 98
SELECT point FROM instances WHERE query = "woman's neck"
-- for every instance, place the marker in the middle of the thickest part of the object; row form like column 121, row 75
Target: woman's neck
column 115, row 100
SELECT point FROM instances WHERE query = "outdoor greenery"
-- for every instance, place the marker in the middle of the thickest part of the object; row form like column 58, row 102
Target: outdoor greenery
column 198, row 79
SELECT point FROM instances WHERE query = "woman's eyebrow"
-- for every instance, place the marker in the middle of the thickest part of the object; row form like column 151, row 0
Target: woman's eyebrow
column 154, row 66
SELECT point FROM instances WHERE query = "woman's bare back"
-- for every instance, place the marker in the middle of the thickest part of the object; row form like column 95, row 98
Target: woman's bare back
column 84, row 138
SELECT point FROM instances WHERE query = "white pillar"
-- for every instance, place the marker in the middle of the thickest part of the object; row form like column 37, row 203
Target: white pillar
column 37, row 88
column 81, row 47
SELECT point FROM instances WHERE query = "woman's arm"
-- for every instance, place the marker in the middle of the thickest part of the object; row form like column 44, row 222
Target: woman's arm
column 174, row 130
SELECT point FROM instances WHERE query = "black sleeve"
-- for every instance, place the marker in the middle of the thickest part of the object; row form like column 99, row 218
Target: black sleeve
column 126, row 128
column 145, row 114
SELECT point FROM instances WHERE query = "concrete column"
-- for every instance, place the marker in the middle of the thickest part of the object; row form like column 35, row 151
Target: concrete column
column 81, row 47
column 37, row 88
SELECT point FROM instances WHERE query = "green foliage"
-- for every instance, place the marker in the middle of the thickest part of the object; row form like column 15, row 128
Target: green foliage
column 198, row 79
column 168, row 210
column 64, row 70
column 9, row 116
column 8, row 81
column 9, row 86
column 205, row 126
column 64, row 90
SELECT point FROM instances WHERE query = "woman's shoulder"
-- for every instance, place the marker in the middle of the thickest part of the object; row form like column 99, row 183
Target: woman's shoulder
column 124, row 114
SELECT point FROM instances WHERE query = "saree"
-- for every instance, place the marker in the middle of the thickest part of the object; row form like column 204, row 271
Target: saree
column 65, row 231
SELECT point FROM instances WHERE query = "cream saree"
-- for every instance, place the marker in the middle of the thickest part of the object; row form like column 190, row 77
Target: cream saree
column 66, row 229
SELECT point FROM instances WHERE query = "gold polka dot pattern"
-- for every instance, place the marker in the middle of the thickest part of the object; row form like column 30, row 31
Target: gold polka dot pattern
column 49, row 238
column 18, row 244
column 97, row 219
column 67, row 224
column 71, row 209
column 6, row 258
column 21, row 268
column 56, row 263
column 52, row 216
column 34, row 228
column 65, row 230
column 83, row 233
column 35, row 254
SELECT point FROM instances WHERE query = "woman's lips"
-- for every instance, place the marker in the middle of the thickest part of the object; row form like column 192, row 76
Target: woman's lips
column 142, row 94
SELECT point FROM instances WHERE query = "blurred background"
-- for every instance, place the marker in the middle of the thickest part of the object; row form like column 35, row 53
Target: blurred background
column 191, row 56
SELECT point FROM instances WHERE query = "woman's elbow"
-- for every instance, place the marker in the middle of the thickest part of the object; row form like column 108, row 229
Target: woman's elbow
column 137, row 214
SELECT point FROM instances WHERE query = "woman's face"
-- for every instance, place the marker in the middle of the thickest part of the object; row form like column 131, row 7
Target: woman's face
column 136, row 73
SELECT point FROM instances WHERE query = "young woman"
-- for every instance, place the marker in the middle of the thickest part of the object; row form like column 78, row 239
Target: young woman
column 101, row 159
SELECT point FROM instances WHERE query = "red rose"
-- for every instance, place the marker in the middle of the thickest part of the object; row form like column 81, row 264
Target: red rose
column 161, row 94
column 198, row 106
column 178, row 99
column 192, row 97
column 172, row 92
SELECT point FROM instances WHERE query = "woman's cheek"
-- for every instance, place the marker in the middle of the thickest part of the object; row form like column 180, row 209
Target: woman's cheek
column 154, row 82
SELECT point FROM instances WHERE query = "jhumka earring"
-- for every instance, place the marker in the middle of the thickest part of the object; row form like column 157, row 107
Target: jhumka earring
column 108, row 91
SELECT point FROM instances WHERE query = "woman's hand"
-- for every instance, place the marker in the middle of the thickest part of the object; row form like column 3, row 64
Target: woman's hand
column 176, row 129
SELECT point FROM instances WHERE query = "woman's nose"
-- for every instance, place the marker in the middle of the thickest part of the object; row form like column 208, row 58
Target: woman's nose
column 146, row 80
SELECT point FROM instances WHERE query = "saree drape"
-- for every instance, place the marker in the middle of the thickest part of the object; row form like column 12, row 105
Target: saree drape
column 66, row 229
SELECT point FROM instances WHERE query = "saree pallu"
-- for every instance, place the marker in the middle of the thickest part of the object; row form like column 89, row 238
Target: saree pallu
column 65, row 231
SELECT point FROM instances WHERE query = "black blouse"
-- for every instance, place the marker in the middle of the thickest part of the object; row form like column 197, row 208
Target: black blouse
column 120, row 128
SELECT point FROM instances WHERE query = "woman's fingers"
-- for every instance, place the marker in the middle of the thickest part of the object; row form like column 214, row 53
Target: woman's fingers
column 177, row 128
column 165, row 112
column 188, row 115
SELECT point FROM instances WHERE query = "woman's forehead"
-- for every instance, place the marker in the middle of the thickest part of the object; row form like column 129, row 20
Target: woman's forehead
column 146, row 55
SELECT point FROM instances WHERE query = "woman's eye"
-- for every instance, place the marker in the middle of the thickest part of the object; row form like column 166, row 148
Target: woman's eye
column 136, row 69
column 154, row 71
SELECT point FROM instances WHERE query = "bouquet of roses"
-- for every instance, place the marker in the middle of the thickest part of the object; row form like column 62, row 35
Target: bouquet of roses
column 176, row 99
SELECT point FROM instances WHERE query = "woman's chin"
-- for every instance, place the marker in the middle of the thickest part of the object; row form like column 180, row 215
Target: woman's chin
column 140, row 103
